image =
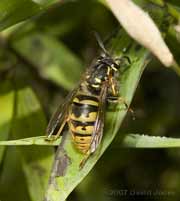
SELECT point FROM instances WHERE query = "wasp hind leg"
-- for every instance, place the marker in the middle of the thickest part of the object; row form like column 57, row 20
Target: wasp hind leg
column 52, row 136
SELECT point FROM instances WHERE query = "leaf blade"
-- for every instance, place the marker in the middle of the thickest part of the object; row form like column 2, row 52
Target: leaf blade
column 146, row 141
column 16, row 11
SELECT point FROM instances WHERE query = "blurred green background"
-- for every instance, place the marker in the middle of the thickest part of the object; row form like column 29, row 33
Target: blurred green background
column 41, row 59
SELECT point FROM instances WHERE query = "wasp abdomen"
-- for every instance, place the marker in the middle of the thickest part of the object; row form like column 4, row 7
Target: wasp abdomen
column 83, row 114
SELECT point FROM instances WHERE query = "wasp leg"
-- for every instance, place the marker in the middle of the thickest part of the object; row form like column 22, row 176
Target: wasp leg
column 113, row 86
column 123, row 101
column 114, row 92
column 52, row 137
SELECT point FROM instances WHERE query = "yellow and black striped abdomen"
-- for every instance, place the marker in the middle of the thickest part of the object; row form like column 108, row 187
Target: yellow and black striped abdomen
column 83, row 115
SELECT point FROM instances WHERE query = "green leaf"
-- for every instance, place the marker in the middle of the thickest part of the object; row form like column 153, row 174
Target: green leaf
column 56, row 62
column 145, row 141
column 14, row 11
column 12, row 180
column 40, row 140
column 6, row 104
column 129, row 140
column 29, row 120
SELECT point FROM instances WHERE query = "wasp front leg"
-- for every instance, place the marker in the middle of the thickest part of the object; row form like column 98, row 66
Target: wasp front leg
column 113, row 89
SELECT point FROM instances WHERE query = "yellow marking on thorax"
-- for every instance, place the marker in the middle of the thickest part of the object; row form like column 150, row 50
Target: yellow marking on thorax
column 87, row 101
column 95, row 85
column 98, row 80
column 76, row 100
column 92, row 117
column 80, row 130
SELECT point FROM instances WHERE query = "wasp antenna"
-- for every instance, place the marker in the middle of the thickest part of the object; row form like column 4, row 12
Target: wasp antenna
column 100, row 42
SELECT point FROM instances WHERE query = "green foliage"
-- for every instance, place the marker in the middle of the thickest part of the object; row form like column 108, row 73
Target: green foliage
column 42, row 59
column 6, row 102
column 54, row 55
column 36, row 161
column 16, row 11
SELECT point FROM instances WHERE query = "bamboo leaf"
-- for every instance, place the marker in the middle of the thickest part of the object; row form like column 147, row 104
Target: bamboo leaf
column 40, row 140
column 146, row 141
column 15, row 11
column 129, row 140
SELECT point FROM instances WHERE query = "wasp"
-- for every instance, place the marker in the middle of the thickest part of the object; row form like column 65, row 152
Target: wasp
column 84, row 108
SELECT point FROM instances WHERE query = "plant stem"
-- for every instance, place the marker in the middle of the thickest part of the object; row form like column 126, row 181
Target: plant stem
column 176, row 68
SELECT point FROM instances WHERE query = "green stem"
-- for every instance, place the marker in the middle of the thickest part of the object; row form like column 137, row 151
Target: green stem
column 176, row 68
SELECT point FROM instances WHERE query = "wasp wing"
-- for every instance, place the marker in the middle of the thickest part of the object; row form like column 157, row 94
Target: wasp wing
column 99, row 123
column 60, row 115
